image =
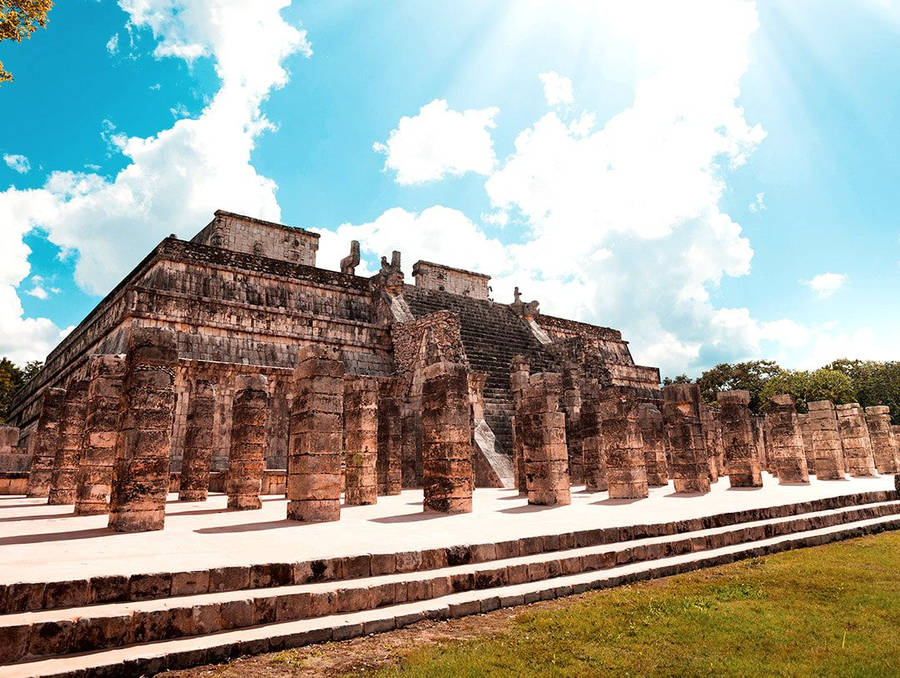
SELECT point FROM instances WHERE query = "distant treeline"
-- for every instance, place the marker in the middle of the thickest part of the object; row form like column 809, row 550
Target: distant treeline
column 866, row 382
column 12, row 378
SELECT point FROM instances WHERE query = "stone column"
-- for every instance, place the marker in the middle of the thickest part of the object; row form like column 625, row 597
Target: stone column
column 543, row 429
column 141, row 478
column 314, row 455
column 518, row 381
column 247, row 451
column 884, row 450
column 806, row 435
column 681, row 410
column 709, row 439
column 360, row 440
column 198, row 442
column 896, row 430
column 12, row 459
column 737, row 435
column 571, row 405
column 825, row 440
column 68, row 451
column 787, row 443
column 594, row 461
column 47, row 439
column 653, row 433
column 447, row 471
column 101, row 425
column 858, row 458
column 623, row 444
column 759, row 438
column 389, row 462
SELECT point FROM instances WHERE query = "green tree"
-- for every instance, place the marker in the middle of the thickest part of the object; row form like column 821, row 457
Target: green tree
column 874, row 383
column 18, row 20
column 12, row 378
column 680, row 379
column 749, row 376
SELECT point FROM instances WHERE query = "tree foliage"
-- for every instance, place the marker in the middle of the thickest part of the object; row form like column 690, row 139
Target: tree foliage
column 18, row 20
column 749, row 376
column 806, row 387
column 12, row 378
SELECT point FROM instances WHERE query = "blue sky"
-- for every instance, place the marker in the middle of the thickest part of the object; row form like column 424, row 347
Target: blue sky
column 716, row 179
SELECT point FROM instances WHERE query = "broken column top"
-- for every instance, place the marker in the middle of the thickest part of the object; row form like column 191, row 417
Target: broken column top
column 782, row 400
column 737, row 397
column 253, row 382
column 688, row 393
column 848, row 407
column 878, row 409
column 318, row 352
column 820, row 405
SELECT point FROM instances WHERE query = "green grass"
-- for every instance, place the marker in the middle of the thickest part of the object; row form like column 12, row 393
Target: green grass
column 832, row 610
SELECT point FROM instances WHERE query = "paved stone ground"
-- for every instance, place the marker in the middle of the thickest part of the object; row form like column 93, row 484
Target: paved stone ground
column 48, row 543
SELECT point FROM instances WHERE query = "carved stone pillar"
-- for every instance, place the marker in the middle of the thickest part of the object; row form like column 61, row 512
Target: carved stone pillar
column 518, row 381
column 737, row 436
column 858, row 457
column 787, row 443
column 884, row 450
column 314, row 456
column 360, row 440
column 825, row 441
column 389, row 464
column 141, row 478
column 68, row 451
column 653, row 433
column 593, row 459
column 681, row 409
column 448, row 475
column 543, row 429
column 806, row 435
column 47, row 439
column 623, row 444
column 101, row 428
column 198, row 442
column 571, row 406
column 247, row 456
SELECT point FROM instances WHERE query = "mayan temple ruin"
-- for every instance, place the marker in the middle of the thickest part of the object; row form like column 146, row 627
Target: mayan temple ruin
column 299, row 454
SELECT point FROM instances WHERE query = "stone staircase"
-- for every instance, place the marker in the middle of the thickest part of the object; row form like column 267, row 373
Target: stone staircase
column 491, row 335
column 145, row 623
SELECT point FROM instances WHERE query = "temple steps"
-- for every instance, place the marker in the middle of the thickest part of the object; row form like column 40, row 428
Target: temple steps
column 131, row 638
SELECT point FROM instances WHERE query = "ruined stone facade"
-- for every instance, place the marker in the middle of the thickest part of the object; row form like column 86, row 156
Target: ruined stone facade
column 741, row 458
column 884, row 447
column 855, row 440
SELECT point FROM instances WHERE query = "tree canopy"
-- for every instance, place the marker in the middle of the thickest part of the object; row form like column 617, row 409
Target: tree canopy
column 18, row 20
column 12, row 378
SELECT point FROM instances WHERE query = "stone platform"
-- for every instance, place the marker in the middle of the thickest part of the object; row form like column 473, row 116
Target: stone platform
column 79, row 600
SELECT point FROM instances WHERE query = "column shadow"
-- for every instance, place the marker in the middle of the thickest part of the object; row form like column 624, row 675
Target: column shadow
column 56, row 536
column 252, row 527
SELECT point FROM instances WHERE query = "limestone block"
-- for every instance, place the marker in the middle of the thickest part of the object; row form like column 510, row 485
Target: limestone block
column 198, row 441
column 825, row 440
column 316, row 437
column 98, row 447
column 68, row 452
column 741, row 458
column 246, row 462
column 623, row 444
column 543, row 432
column 389, row 462
column 47, row 441
column 690, row 466
column 787, row 443
column 858, row 457
column 884, row 447
column 360, row 440
column 806, row 435
column 653, row 433
column 141, row 478
column 593, row 458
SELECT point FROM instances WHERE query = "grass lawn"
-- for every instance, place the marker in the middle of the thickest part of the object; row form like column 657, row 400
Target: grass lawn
column 830, row 610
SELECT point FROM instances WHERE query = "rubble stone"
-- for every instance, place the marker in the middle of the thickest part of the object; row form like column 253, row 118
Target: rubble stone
column 141, row 476
column 316, row 439
column 681, row 410
column 246, row 463
column 543, row 429
column 858, row 457
column 101, row 425
column 360, row 440
column 741, row 458
column 825, row 440
column 198, row 442
column 787, row 443
column 68, row 451
column 47, row 434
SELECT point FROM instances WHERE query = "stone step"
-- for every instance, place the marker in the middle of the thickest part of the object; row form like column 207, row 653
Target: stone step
column 34, row 635
column 150, row 658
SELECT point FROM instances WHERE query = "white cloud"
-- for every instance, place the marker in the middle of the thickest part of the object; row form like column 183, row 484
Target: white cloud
column 112, row 45
column 17, row 163
column 758, row 204
column 439, row 141
column 38, row 292
column 174, row 179
column 826, row 284
column 557, row 88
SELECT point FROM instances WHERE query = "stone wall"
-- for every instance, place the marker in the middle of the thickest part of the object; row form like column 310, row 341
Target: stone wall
column 240, row 233
column 431, row 276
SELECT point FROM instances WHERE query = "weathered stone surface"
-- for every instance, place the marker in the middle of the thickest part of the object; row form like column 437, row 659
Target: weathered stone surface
column 623, row 444
column 806, row 435
column 518, row 381
column 141, row 477
column 653, row 433
column 741, row 460
column 247, row 463
column 858, row 457
column 389, row 462
column 360, row 440
column 571, row 404
column 787, row 443
column 593, row 456
column 825, row 440
column 543, row 429
column 101, row 425
column 884, row 447
column 447, row 471
column 68, row 450
column 13, row 459
column 758, row 422
column 681, row 409
column 47, row 434
column 198, row 441
column 314, row 461
column 711, row 439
